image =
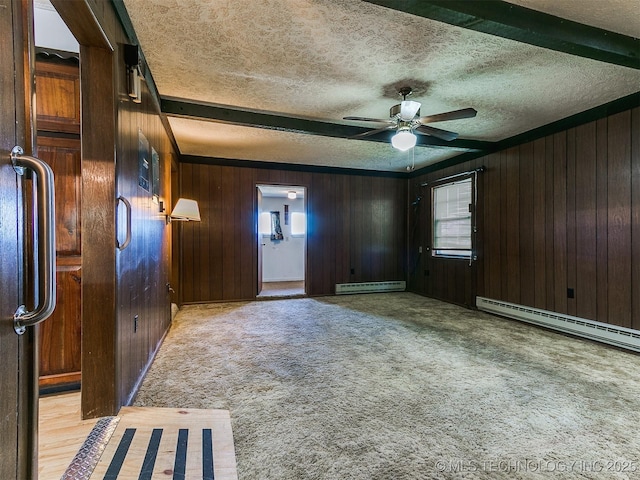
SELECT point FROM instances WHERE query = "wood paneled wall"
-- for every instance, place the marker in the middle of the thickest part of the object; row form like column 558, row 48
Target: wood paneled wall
column 559, row 213
column 355, row 223
column 126, row 305
column 143, row 309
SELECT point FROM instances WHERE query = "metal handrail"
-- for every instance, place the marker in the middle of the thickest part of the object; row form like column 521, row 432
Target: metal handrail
column 45, row 237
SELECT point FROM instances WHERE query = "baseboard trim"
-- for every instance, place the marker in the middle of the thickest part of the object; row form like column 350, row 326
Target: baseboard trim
column 622, row 337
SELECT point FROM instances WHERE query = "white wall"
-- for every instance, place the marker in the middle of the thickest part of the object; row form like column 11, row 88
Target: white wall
column 50, row 31
column 283, row 260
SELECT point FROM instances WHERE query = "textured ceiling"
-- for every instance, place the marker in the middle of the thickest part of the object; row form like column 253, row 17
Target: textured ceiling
column 208, row 139
column 326, row 59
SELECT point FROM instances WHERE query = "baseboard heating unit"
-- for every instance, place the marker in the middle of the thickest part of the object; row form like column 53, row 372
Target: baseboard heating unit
column 370, row 287
column 602, row 332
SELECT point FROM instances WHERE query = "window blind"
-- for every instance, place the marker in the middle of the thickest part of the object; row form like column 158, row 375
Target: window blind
column 452, row 218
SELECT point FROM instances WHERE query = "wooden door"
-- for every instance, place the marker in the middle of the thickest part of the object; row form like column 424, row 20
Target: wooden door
column 259, row 239
column 58, row 123
column 18, row 400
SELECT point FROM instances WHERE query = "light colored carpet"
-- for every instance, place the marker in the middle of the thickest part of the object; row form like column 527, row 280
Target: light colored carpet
column 398, row 386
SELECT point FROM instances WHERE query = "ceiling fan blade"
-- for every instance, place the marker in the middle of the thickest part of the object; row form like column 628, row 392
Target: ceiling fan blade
column 373, row 132
column 366, row 119
column 408, row 110
column 437, row 132
column 454, row 115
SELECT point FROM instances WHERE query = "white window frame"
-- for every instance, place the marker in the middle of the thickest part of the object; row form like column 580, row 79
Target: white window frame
column 458, row 211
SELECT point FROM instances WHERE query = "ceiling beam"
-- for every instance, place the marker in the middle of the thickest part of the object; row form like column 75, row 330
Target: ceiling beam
column 506, row 20
column 272, row 121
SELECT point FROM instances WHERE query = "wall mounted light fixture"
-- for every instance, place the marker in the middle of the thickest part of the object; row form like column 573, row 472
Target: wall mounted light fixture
column 134, row 72
column 185, row 211
column 134, row 78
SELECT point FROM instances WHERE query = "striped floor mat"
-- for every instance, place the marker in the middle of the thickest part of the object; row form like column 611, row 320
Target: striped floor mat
column 158, row 443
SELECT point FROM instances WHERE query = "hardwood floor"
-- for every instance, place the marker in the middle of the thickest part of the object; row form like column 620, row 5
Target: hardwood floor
column 211, row 446
column 61, row 433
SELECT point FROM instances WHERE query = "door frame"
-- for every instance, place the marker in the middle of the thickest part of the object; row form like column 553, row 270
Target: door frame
column 18, row 368
column 98, row 56
column 259, row 244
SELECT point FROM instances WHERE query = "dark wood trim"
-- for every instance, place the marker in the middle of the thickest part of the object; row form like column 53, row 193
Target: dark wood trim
column 82, row 22
column 525, row 25
column 596, row 113
column 127, row 26
column 98, row 234
column 450, row 162
column 60, row 378
column 484, row 148
column 289, row 167
column 273, row 121
column 60, row 388
column 58, row 137
column 601, row 111
column 125, row 22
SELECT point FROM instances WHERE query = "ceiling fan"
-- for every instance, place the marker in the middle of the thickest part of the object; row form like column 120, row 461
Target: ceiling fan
column 405, row 119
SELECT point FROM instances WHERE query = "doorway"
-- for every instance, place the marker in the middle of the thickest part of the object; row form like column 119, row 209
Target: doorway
column 282, row 240
column 57, row 75
column 58, row 141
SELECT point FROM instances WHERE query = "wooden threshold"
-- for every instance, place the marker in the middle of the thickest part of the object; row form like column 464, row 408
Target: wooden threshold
column 146, row 442
column 161, row 442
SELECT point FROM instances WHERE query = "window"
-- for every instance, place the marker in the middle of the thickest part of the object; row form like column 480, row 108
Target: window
column 298, row 223
column 264, row 223
column 452, row 206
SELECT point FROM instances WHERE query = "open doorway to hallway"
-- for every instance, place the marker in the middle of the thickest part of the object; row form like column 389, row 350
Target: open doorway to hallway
column 282, row 240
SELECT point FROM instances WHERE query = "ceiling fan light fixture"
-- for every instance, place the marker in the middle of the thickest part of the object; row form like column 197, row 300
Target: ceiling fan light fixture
column 408, row 110
column 404, row 140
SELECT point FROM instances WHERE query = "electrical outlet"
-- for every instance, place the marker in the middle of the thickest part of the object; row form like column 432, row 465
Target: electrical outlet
column 570, row 293
column 420, row 249
column 353, row 271
column 135, row 324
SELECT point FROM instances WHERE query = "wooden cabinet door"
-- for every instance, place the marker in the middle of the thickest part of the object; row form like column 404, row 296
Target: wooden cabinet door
column 58, row 94
column 58, row 116
column 60, row 334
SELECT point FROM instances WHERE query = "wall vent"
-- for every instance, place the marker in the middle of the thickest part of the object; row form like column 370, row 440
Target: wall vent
column 370, row 287
column 602, row 332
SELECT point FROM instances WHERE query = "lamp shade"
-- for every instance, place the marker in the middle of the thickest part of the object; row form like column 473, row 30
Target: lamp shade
column 186, row 210
column 408, row 110
column 403, row 140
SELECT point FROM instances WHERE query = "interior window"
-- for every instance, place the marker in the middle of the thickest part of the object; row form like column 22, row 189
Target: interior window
column 298, row 223
column 452, row 207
